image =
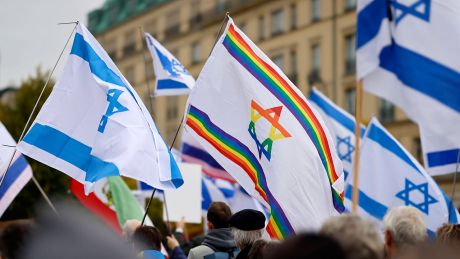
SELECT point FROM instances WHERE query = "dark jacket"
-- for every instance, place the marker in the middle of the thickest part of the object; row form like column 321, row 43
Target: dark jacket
column 244, row 253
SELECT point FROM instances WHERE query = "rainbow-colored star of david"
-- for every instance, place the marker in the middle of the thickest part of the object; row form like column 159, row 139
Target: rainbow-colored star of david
column 276, row 131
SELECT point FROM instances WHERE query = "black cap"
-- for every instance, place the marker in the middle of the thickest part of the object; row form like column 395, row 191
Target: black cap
column 247, row 220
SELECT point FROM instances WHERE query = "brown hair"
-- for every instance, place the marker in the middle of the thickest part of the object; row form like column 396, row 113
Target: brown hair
column 218, row 214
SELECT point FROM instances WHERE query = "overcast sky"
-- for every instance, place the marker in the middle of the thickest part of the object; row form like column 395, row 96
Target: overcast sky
column 30, row 36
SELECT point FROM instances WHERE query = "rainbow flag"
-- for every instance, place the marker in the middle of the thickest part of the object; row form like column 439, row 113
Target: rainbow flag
column 259, row 127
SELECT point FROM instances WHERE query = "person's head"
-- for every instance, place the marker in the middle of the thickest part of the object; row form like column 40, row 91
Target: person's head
column 359, row 238
column 247, row 227
column 404, row 228
column 12, row 240
column 218, row 215
column 129, row 227
column 449, row 234
column 147, row 238
column 312, row 246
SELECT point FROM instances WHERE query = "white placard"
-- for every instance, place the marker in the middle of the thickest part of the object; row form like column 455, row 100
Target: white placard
column 186, row 201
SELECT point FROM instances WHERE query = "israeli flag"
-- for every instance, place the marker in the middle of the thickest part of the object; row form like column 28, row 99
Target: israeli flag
column 18, row 174
column 210, row 193
column 172, row 78
column 94, row 125
column 342, row 127
column 407, row 54
column 389, row 176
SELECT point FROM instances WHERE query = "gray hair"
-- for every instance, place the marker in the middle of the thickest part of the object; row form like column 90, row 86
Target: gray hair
column 405, row 225
column 359, row 238
column 246, row 238
column 129, row 227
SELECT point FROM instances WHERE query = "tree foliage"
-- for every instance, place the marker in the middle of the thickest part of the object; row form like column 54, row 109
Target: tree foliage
column 14, row 118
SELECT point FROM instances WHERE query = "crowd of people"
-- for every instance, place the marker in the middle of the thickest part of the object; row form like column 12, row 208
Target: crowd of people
column 238, row 235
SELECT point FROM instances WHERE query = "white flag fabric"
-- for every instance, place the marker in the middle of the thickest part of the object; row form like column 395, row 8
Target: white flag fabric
column 17, row 176
column 192, row 152
column 94, row 124
column 389, row 176
column 342, row 127
column 259, row 127
column 172, row 78
column 406, row 53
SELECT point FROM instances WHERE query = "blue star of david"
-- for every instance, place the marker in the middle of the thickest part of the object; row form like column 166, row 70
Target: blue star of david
column 418, row 9
column 423, row 189
column 114, row 107
column 345, row 154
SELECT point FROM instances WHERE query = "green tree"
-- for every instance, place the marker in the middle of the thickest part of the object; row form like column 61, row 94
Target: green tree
column 14, row 118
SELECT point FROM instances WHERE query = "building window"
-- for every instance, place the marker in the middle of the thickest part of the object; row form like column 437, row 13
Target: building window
column 174, row 24
column 129, row 74
column 350, row 5
column 279, row 61
column 315, row 65
column 350, row 55
column 293, row 16
column 172, row 109
column 315, row 58
column 293, row 58
column 315, row 10
column 130, row 43
column 196, row 53
column 261, row 27
column 195, row 15
column 350, row 100
column 386, row 111
column 277, row 22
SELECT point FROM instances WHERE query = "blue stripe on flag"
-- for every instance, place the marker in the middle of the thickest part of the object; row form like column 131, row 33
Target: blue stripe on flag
column 70, row 150
column 200, row 154
column 334, row 113
column 176, row 176
column 205, row 196
column 371, row 206
column 369, row 21
column 382, row 138
column 451, row 208
column 444, row 157
column 423, row 74
column 165, row 84
column 98, row 67
column 16, row 169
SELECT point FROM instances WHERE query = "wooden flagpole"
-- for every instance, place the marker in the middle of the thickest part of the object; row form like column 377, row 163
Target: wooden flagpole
column 358, row 115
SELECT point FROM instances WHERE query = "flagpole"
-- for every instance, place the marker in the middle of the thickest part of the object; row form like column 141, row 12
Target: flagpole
column 358, row 115
column 452, row 197
column 227, row 15
column 47, row 199
column 35, row 107
column 149, row 92
column 147, row 81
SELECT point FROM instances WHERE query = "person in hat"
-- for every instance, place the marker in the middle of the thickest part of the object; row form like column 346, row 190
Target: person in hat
column 247, row 226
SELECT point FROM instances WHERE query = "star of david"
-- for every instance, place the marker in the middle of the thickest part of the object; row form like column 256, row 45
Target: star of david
column 345, row 148
column 422, row 188
column 417, row 8
column 276, row 131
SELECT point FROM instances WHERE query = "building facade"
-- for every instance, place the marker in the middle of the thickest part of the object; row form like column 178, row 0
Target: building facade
column 312, row 41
